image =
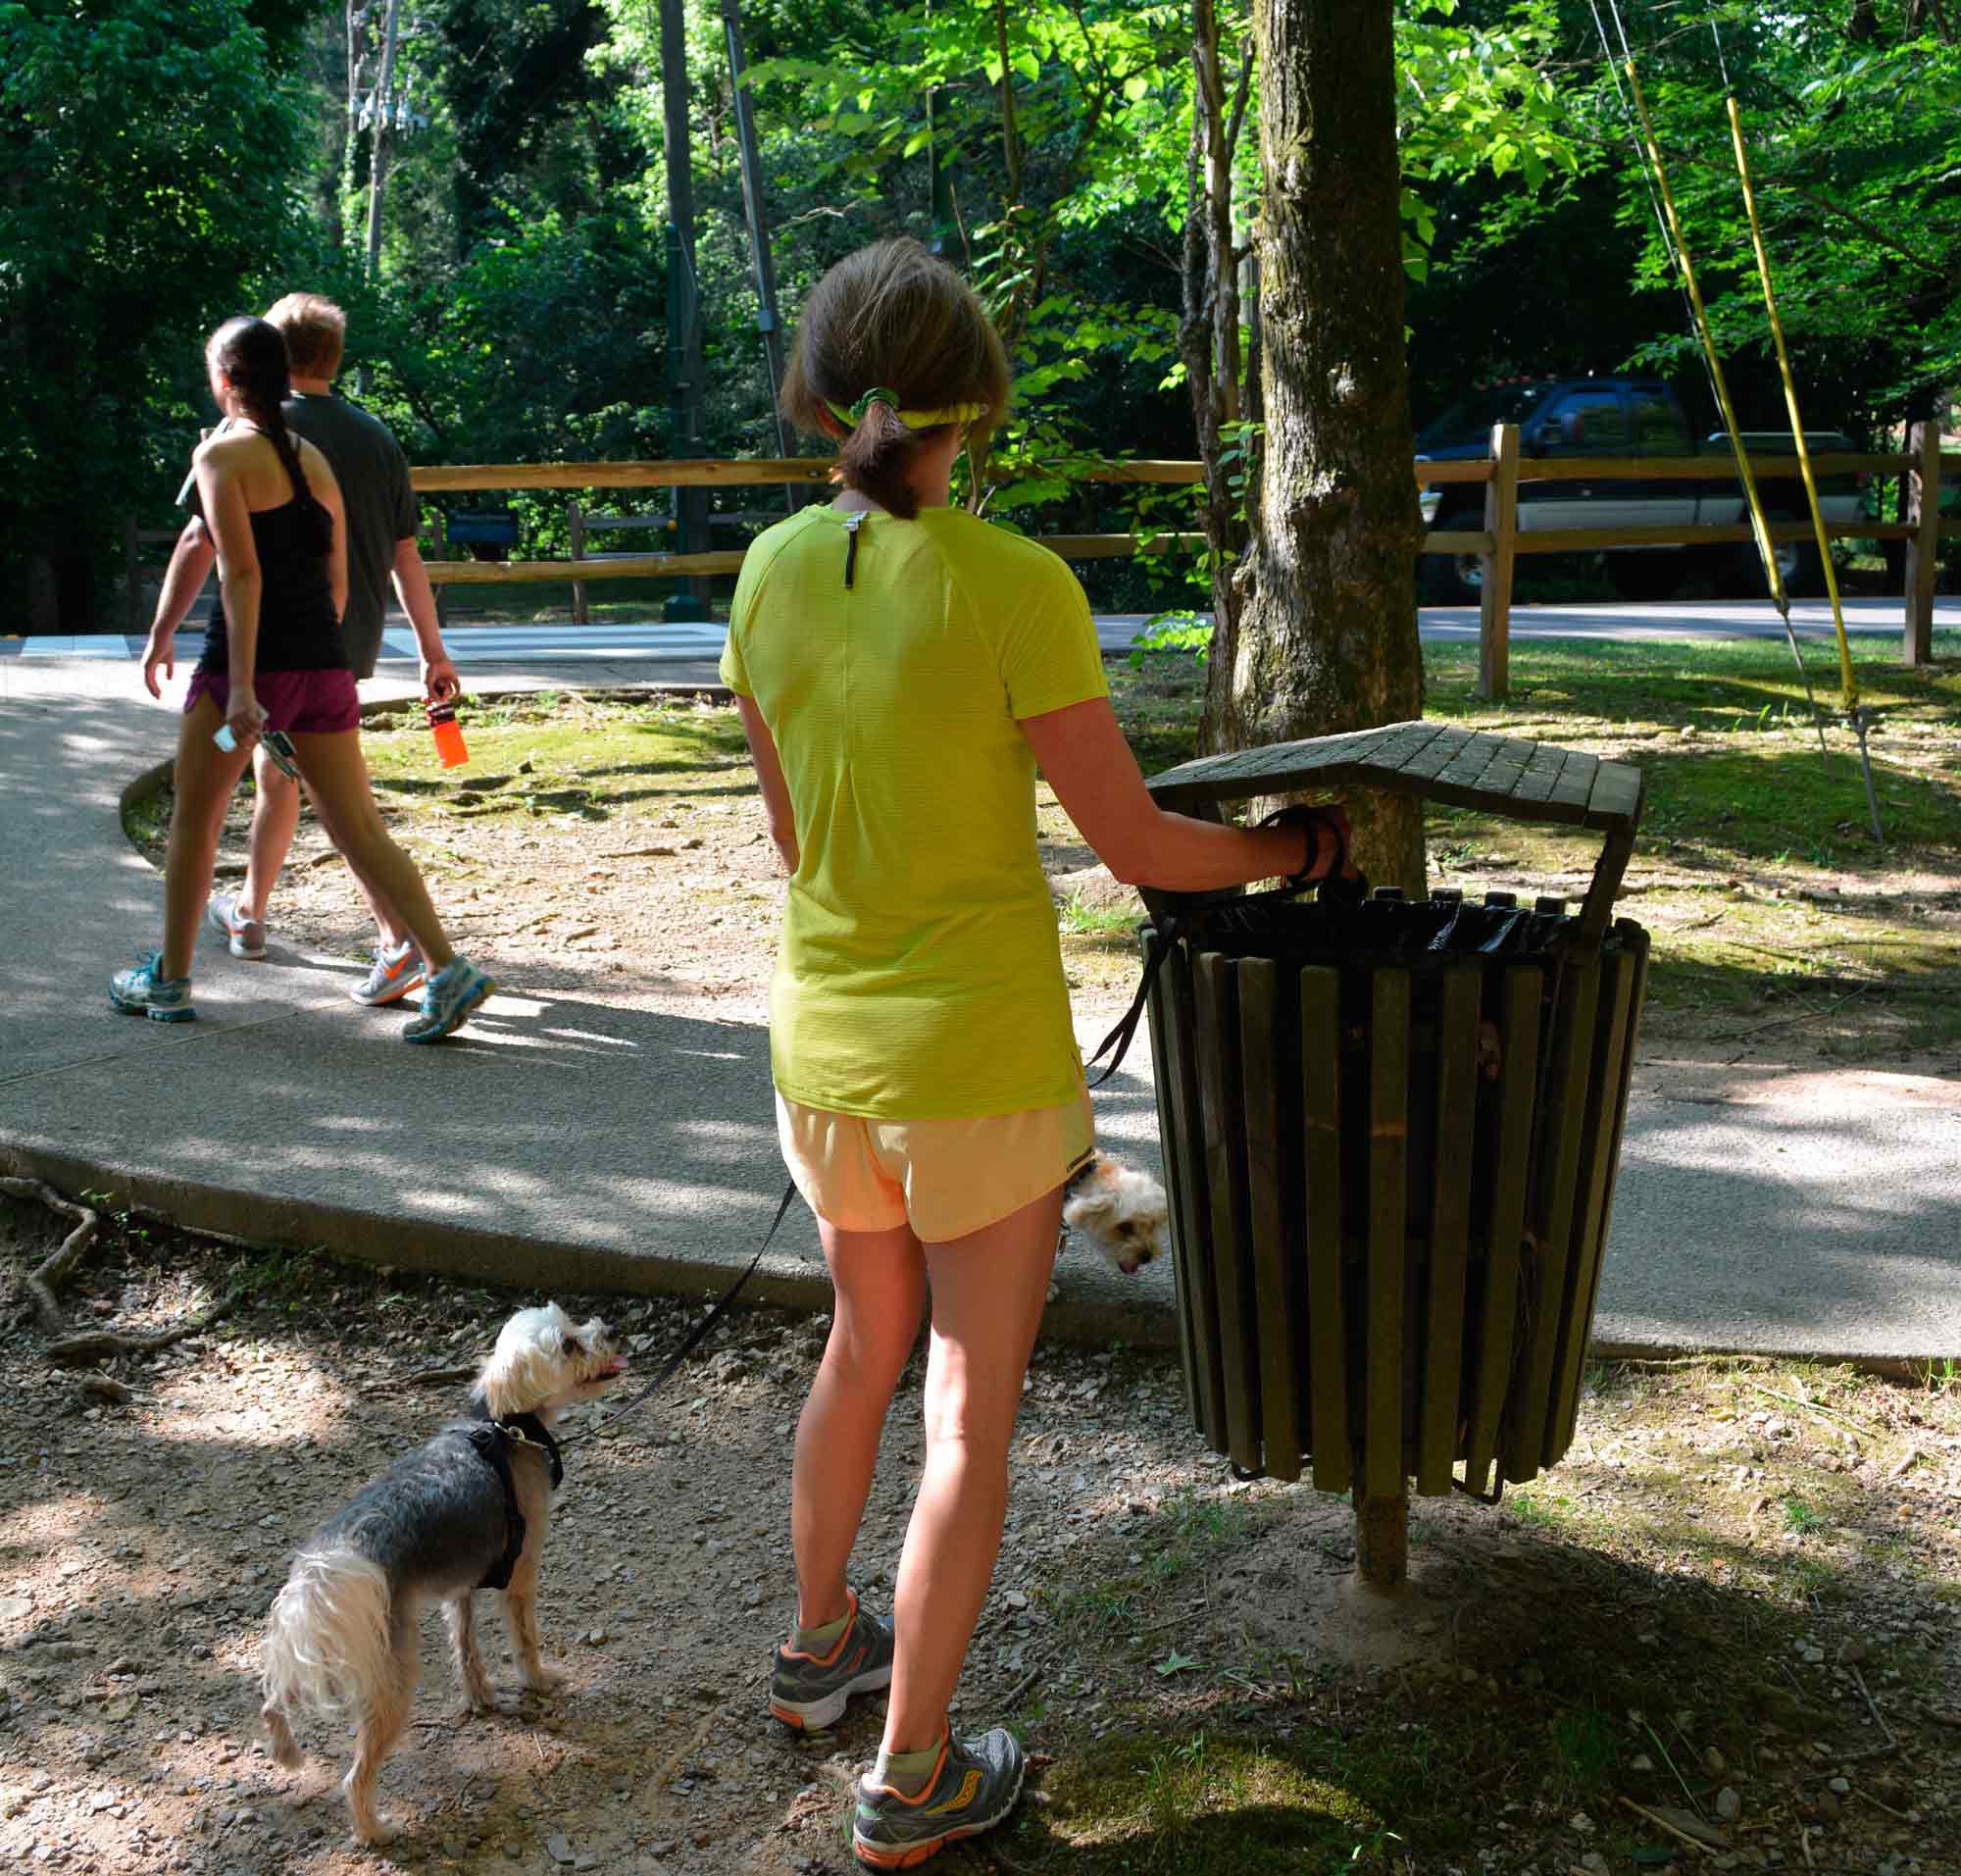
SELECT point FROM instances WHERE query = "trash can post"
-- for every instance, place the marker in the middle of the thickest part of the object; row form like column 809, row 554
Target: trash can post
column 1382, row 1539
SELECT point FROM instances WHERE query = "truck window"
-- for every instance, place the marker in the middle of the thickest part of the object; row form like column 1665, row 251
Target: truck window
column 1657, row 430
column 1587, row 422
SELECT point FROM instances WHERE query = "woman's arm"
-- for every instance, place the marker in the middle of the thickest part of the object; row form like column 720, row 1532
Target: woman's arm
column 769, row 779
column 222, row 489
column 1088, row 763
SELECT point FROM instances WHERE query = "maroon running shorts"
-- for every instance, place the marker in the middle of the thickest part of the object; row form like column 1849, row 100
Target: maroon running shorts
column 309, row 704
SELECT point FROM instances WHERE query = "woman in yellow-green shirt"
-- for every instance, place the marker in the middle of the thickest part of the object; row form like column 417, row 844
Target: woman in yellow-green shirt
column 902, row 668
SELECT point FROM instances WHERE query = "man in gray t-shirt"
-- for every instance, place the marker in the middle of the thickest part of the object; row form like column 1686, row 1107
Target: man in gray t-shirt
column 380, row 505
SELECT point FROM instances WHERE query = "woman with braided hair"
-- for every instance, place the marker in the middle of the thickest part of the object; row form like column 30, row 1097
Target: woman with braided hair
column 274, row 661
column 902, row 667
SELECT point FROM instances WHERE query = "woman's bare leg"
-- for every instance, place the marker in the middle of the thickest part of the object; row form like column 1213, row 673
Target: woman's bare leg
column 276, row 819
column 205, row 780
column 988, row 1293
column 337, row 776
column 879, row 1280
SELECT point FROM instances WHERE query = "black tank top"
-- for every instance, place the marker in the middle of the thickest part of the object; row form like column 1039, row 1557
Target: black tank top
column 299, row 628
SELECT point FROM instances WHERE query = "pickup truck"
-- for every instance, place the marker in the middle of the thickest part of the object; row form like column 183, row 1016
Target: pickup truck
column 1636, row 417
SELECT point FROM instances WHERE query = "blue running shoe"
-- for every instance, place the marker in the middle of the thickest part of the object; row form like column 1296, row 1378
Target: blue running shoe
column 448, row 997
column 810, row 1691
column 144, row 991
column 972, row 1788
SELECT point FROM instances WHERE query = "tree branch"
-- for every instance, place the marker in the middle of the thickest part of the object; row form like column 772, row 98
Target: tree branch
column 1008, row 139
column 1237, row 121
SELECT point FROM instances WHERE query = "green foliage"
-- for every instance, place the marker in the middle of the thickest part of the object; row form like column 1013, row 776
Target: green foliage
column 1856, row 149
column 171, row 163
column 147, row 151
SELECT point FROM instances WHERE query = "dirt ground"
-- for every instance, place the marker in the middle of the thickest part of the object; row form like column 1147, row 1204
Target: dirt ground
column 1734, row 1607
column 1725, row 1632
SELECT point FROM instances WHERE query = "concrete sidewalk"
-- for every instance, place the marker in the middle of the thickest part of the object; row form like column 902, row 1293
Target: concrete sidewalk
column 577, row 1137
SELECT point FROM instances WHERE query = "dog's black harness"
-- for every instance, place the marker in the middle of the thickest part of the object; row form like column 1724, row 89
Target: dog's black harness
column 492, row 1440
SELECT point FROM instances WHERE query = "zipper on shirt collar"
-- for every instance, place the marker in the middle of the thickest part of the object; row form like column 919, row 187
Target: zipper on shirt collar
column 852, row 523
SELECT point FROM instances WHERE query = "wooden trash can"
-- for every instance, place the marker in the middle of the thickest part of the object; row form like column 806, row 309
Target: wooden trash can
column 1390, row 1131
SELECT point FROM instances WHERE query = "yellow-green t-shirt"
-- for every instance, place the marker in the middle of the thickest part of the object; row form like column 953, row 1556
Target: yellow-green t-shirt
column 920, row 975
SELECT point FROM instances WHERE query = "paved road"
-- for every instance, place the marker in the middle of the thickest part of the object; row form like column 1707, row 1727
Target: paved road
column 575, row 647
column 578, row 1136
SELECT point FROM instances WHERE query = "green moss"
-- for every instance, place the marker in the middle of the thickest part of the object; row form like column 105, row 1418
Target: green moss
column 588, row 759
column 1205, row 1804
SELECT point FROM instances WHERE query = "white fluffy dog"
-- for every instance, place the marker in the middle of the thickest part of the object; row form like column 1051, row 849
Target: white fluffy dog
column 1120, row 1209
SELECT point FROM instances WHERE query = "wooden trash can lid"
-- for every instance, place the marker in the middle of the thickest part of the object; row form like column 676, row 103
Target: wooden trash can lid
column 1511, row 776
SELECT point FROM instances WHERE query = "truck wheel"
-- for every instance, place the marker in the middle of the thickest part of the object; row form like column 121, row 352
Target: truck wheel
column 1802, row 571
column 1451, row 580
column 1645, row 576
column 1798, row 566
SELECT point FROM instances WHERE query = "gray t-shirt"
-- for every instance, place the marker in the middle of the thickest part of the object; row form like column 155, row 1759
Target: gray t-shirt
column 374, row 478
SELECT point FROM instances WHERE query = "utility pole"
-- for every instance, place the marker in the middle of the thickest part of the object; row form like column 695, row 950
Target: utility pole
column 767, row 322
column 685, row 358
column 378, row 141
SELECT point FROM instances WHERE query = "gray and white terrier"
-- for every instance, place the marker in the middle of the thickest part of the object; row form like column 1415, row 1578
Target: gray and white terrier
column 1119, row 1208
column 465, row 1511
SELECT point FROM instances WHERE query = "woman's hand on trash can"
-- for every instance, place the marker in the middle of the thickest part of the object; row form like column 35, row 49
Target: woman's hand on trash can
column 1325, row 841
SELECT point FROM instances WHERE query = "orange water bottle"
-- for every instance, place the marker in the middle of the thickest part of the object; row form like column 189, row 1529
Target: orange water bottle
column 448, row 736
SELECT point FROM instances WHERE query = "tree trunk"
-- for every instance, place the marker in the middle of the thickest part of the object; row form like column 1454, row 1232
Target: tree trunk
column 1326, row 638
column 1209, row 328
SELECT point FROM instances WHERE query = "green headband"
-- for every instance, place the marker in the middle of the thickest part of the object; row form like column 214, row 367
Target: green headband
column 855, row 414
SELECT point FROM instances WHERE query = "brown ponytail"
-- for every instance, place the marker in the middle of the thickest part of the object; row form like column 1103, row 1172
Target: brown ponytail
column 896, row 317
column 252, row 355
column 875, row 459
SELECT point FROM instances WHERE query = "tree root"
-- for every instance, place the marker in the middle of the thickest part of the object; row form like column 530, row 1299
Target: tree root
column 101, row 1345
column 42, row 1284
column 422, row 1377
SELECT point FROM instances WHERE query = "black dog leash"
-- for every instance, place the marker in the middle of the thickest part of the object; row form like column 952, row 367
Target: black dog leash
column 696, row 1335
column 1166, row 931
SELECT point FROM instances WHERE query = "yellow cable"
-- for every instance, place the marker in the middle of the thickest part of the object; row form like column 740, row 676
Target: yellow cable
column 1759, row 527
column 1847, row 683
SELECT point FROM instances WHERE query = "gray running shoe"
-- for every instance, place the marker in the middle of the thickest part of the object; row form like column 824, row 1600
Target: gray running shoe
column 972, row 1788
column 391, row 976
column 247, row 936
column 809, row 1690
column 448, row 997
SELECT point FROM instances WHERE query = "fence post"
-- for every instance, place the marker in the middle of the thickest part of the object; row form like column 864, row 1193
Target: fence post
column 1494, row 598
column 1922, row 547
column 132, row 597
column 576, row 520
column 439, row 550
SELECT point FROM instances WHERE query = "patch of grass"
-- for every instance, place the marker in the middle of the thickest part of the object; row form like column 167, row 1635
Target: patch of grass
column 1081, row 920
column 1802, row 1519
column 1205, row 1804
column 1102, row 1605
column 592, row 759
column 1192, row 1528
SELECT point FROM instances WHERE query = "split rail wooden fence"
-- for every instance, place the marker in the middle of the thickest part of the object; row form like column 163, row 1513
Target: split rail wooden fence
column 1498, row 544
